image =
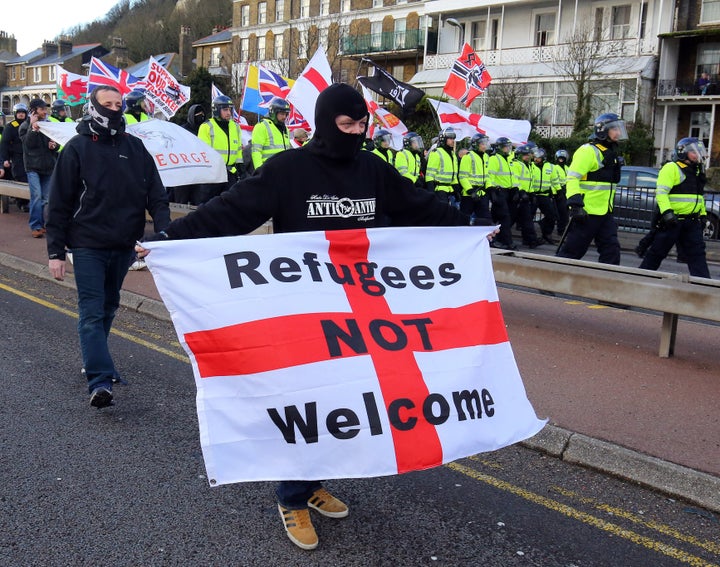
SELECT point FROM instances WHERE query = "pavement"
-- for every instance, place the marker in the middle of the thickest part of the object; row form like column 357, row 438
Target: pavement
column 613, row 405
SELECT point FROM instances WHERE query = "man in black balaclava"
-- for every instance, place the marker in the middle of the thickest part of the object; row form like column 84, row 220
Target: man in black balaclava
column 195, row 117
column 103, row 181
column 342, row 188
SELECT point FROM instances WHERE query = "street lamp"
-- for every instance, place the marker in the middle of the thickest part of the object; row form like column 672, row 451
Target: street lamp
column 454, row 23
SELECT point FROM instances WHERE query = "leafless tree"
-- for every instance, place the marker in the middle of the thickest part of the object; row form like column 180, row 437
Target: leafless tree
column 510, row 99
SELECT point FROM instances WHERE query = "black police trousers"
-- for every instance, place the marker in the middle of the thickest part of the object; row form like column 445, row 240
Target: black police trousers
column 602, row 229
column 688, row 235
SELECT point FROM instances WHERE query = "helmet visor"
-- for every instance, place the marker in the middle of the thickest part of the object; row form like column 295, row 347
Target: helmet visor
column 416, row 143
column 699, row 148
column 619, row 125
column 383, row 138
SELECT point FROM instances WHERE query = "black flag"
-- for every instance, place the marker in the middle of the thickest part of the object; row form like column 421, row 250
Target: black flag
column 383, row 83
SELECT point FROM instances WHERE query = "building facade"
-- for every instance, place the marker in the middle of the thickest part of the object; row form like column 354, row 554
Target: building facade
column 687, row 106
column 531, row 42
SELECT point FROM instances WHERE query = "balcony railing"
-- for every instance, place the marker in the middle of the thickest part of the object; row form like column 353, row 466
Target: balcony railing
column 386, row 41
column 674, row 88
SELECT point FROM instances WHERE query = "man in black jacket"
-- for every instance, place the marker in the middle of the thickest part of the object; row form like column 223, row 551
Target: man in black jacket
column 39, row 155
column 343, row 188
column 103, row 183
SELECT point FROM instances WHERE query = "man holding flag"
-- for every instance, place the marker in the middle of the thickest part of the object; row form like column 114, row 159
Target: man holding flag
column 344, row 188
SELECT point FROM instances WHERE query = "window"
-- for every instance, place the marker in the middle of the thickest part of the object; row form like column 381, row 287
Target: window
column 37, row 74
column 215, row 57
column 376, row 35
column 700, row 126
column 13, row 74
column 399, row 36
column 545, row 29
column 346, row 5
column 262, row 12
column 620, row 22
column 304, row 8
column 279, row 10
column 323, row 37
column 377, row 3
column 22, row 73
column 598, row 24
column 279, row 46
column 245, row 16
column 494, row 33
column 643, row 20
column 324, row 7
column 261, row 48
column 244, row 49
column 708, row 60
column 51, row 72
column 710, row 11
column 477, row 35
column 398, row 71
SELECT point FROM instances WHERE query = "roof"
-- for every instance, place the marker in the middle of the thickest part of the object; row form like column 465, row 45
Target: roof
column 529, row 72
column 171, row 62
column 223, row 36
column 55, row 58
column 27, row 58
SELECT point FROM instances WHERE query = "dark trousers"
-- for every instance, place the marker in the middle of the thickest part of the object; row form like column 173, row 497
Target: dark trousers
column 479, row 207
column 688, row 235
column 524, row 210
column 546, row 204
column 294, row 494
column 500, row 212
column 562, row 211
column 602, row 229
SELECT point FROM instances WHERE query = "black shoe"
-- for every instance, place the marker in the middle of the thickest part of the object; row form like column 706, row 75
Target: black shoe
column 548, row 239
column 534, row 243
column 101, row 397
column 501, row 246
column 640, row 251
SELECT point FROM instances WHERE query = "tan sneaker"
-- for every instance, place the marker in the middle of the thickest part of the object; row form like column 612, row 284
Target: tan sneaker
column 299, row 527
column 327, row 504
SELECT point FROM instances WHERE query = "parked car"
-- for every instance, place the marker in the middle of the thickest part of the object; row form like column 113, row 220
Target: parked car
column 635, row 201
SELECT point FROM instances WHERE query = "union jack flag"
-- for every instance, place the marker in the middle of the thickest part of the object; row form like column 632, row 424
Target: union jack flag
column 216, row 92
column 102, row 73
column 270, row 85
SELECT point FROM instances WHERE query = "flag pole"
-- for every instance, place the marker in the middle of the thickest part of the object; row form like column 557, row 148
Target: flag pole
column 435, row 108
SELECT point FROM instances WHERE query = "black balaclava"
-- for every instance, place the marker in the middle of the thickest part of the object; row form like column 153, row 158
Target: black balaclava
column 328, row 140
column 103, row 121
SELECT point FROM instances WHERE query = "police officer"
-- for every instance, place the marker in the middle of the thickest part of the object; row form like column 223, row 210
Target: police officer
column 500, row 185
column 270, row 135
column 381, row 142
column 58, row 111
column 222, row 133
column 135, row 110
column 11, row 148
column 473, row 174
column 442, row 168
column 522, row 198
column 679, row 196
column 591, row 179
column 561, row 166
column 409, row 160
column 545, row 183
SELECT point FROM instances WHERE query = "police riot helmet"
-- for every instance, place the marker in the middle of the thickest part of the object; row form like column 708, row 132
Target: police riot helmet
column 134, row 100
column 220, row 102
column 380, row 136
column 606, row 122
column 276, row 105
column 686, row 145
column 413, row 141
column 562, row 155
column 478, row 139
column 445, row 134
column 57, row 107
column 539, row 153
column 503, row 143
column 20, row 107
column 524, row 150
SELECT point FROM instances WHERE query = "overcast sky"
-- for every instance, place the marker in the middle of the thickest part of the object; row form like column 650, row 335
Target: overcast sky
column 48, row 18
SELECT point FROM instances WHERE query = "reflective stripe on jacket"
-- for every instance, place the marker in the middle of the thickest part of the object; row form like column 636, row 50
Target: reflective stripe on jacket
column 680, row 188
column 229, row 146
column 597, row 195
column 499, row 172
column 442, row 168
column 408, row 164
column 267, row 140
column 473, row 172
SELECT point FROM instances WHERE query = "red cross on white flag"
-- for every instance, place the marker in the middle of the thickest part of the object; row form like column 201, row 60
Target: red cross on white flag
column 343, row 354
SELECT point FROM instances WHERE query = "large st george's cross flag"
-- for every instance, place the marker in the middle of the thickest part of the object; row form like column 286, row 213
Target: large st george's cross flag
column 343, row 354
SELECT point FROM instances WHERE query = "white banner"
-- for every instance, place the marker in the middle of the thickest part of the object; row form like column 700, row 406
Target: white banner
column 343, row 354
column 163, row 90
column 180, row 157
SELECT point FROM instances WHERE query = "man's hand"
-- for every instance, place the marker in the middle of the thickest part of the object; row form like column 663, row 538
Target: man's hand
column 577, row 213
column 668, row 219
column 57, row 269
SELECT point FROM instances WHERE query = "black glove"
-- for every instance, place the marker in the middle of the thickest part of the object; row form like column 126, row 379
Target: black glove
column 577, row 213
column 523, row 196
column 457, row 192
column 162, row 235
column 668, row 219
column 430, row 186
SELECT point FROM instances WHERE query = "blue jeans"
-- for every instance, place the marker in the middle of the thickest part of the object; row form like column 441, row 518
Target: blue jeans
column 294, row 494
column 99, row 275
column 39, row 186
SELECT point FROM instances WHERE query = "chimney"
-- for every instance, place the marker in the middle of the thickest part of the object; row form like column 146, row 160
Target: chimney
column 49, row 48
column 186, row 51
column 65, row 46
column 118, row 52
column 8, row 43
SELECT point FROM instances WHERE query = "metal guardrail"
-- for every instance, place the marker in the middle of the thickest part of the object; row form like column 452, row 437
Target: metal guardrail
column 673, row 295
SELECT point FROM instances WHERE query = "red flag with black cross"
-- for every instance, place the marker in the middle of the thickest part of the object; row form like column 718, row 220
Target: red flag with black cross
column 468, row 77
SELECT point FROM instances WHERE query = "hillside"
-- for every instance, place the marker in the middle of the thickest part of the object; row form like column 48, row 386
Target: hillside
column 153, row 26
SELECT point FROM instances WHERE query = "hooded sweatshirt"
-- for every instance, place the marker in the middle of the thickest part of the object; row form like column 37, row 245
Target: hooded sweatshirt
column 337, row 186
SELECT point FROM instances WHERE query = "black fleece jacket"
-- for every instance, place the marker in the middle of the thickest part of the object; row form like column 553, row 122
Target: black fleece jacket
column 303, row 190
column 99, row 192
